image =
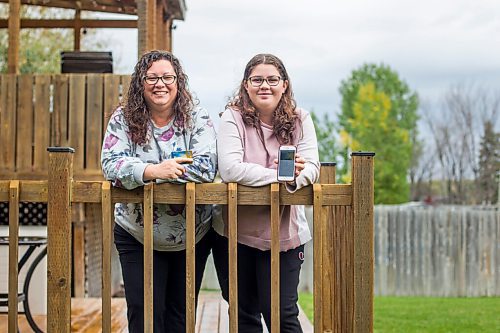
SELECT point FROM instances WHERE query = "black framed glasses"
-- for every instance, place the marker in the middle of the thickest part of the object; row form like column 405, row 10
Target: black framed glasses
column 257, row 81
column 166, row 79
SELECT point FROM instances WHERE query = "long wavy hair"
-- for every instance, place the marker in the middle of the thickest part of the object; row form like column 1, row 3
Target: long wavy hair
column 285, row 115
column 135, row 111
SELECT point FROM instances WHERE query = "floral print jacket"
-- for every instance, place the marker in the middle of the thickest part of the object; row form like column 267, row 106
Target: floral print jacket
column 123, row 163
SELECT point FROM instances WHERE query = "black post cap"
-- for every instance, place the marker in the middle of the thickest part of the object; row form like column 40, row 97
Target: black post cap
column 363, row 153
column 60, row 150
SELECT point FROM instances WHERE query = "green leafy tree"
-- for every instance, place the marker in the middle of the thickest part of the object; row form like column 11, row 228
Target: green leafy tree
column 379, row 113
column 325, row 129
column 40, row 48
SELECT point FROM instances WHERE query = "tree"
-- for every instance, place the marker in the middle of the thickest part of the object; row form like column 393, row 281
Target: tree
column 489, row 165
column 404, row 102
column 456, row 127
column 325, row 130
column 379, row 113
column 40, row 48
column 372, row 129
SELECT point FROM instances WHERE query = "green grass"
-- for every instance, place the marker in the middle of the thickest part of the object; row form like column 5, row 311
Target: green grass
column 429, row 314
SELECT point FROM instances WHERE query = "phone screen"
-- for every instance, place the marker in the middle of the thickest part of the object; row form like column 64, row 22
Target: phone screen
column 287, row 163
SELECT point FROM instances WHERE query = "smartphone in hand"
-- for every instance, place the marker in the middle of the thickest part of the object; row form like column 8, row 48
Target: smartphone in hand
column 286, row 163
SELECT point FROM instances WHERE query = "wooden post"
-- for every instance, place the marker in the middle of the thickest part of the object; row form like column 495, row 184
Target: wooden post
column 78, row 221
column 148, row 258
column 146, row 12
column 59, row 239
column 362, row 207
column 161, row 25
column 275, row 258
column 107, row 226
column 327, row 176
column 77, row 31
column 232, row 208
column 190, row 254
column 13, row 253
column 168, row 34
column 317, row 257
column 14, row 32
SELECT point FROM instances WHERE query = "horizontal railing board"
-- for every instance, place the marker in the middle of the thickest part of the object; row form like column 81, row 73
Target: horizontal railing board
column 208, row 193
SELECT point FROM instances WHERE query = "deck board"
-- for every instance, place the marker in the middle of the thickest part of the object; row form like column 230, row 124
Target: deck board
column 212, row 316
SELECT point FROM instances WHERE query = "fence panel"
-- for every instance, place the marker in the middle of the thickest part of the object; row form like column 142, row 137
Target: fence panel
column 437, row 251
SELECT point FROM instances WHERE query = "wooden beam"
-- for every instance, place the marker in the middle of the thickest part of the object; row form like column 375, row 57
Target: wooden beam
column 362, row 206
column 69, row 24
column 160, row 25
column 111, row 7
column 14, row 28
column 168, row 35
column 328, row 298
column 107, row 236
column 164, row 22
column 148, row 257
column 232, row 230
column 13, row 254
column 142, row 7
column 190, row 255
column 275, row 258
column 317, row 257
column 59, row 240
column 146, row 12
column 76, row 31
column 151, row 25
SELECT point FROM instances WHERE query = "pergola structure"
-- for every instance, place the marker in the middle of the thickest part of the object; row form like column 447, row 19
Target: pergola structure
column 153, row 18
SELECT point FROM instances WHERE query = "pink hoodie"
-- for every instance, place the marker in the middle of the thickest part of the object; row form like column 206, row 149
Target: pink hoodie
column 242, row 159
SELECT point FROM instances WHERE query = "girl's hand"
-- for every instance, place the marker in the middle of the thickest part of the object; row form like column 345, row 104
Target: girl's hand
column 300, row 164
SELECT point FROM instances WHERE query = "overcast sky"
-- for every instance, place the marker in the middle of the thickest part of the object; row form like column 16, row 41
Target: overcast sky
column 431, row 44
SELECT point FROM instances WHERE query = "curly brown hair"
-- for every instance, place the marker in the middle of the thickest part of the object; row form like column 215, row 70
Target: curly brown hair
column 135, row 111
column 285, row 116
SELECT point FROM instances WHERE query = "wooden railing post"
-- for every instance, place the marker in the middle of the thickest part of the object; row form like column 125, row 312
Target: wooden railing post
column 275, row 258
column 362, row 208
column 107, row 230
column 232, row 231
column 13, row 253
column 327, row 176
column 148, row 258
column 317, row 257
column 190, row 255
column 14, row 36
column 59, row 239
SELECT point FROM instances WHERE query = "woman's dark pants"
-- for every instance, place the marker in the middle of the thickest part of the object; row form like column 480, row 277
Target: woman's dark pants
column 169, row 282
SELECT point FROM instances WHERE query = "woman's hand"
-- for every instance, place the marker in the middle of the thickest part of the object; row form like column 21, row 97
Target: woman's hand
column 168, row 169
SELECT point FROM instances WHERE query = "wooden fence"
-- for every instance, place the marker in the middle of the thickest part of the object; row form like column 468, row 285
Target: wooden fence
column 437, row 251
column 38, row 111
column 343, row 238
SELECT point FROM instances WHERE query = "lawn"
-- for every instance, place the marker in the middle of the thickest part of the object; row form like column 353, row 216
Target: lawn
column 429, row 314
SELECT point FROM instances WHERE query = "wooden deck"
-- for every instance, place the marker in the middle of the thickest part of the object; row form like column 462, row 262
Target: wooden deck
column 212, row 316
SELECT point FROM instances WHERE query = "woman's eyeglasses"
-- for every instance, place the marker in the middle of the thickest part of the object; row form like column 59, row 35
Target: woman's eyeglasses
column 166, row 79
column 257, row 81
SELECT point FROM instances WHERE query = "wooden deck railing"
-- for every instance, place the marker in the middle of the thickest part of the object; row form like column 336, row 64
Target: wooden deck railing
column 343, row 240
column 37, row 111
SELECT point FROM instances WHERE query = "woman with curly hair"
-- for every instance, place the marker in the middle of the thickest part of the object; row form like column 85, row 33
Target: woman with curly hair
column 157, row 122
column 260, row 118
